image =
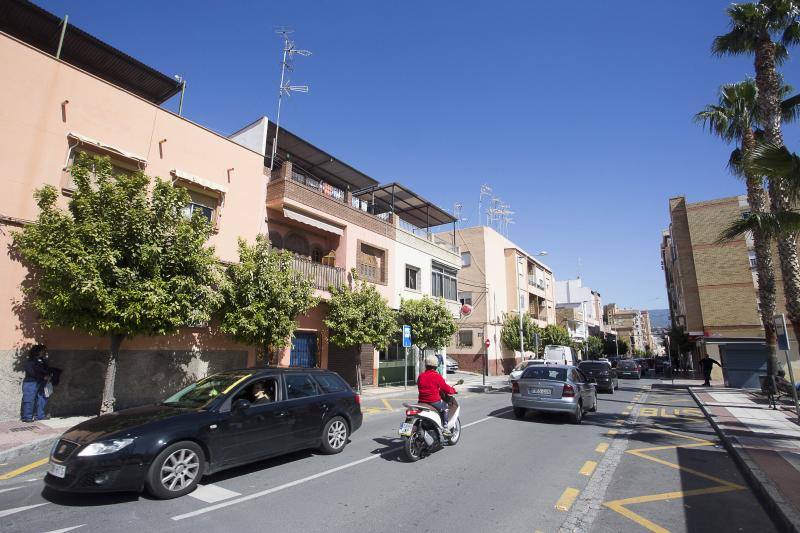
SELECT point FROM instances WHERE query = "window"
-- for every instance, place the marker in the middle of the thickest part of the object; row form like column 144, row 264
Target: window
column 466, row 259
column 371, row 263
column 443, row 282
column 330, row 383
column 752, row 257
column 465, row 298
column 299, row 386
column 259, row 392
column 297, row 244
column 412, row 278
column 316, row 255
column 205, row 204
column 394, row 352
column 465, row 337
column 118, row 166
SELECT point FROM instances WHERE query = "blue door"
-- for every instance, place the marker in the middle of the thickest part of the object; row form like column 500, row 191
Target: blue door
column 304, row 349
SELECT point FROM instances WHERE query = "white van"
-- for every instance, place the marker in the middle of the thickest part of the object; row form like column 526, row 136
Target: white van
column 559, row 355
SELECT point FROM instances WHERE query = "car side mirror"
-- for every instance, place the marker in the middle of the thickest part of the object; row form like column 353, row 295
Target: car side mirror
column 240, row 405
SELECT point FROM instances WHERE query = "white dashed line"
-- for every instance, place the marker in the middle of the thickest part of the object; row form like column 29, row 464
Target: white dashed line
column 65, row 529
column 15, row 510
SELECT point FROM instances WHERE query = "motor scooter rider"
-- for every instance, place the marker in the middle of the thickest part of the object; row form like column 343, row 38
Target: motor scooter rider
column 430, row 384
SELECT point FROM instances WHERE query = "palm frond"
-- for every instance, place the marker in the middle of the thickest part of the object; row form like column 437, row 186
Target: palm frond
column 770, row 225
column 791, row 35
column 736, row 42
column 775, row 162
column 790, row 108
column 735, row 163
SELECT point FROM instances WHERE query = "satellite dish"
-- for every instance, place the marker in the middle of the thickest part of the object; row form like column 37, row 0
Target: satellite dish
column 466, row 310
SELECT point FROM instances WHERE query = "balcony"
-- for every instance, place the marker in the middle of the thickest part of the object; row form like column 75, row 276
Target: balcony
column 322, row 276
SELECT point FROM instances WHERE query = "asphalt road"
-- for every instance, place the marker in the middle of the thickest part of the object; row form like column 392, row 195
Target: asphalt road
column 647, row 460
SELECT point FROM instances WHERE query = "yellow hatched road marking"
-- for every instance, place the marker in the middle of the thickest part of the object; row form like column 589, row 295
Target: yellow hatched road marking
column 612, row 432
column 567, row 498
column 26, row 468
column 587, row 468
column 387, row 404
column 602, row 447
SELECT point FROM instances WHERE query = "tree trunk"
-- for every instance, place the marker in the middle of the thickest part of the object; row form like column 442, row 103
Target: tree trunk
column 107, row 404
column 757, row 199
column 769, row 105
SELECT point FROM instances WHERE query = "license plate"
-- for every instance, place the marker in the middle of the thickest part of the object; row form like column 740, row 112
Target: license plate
column 405, row 429
column 539, row 392
column 57, row 470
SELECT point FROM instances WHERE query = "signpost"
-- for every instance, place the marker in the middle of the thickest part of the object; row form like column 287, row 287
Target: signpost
column 406, row 346
column 486, row 343
column 783, row 344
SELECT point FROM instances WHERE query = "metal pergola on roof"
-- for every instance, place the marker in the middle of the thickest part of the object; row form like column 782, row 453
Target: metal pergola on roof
column 405, row 203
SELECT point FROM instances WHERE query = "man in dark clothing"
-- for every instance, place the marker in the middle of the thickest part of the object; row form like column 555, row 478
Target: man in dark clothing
column 706, row 364
column 37, row 374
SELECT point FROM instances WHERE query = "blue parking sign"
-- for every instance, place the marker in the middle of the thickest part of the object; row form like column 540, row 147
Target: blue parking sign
column 406, row 336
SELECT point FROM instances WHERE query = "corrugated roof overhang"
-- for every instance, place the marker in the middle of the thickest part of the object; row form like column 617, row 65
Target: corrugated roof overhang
column 406, row 204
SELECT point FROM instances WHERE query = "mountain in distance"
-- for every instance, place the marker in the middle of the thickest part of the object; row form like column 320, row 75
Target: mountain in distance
column 659, row 318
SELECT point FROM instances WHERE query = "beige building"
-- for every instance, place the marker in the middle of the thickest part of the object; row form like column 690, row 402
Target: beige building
column 497, row 277
column 712, row 286
column 629, row 325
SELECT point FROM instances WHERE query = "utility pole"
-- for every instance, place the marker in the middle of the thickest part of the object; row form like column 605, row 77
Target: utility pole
column 519, row 306
column 285, row 86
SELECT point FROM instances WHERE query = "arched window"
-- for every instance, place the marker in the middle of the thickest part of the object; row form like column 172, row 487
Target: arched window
column 297, row 244
column 275, row 239
column 316, row 255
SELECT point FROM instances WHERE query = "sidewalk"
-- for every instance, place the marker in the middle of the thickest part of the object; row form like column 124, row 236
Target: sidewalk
column 471, row 381
column 18, row 438
column 765, row 442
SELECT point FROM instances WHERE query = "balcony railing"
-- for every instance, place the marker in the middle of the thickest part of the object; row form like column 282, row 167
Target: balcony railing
column 322, row 276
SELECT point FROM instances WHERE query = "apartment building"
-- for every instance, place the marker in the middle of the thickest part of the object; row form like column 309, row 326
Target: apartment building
column 628, row 324
column 579, row 309
column 98, row 100
column 712, row 286
column 497, row 276
column 336, row 219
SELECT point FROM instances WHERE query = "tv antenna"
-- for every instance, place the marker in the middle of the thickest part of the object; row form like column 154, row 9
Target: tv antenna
column 286, row 87
column 486, row 191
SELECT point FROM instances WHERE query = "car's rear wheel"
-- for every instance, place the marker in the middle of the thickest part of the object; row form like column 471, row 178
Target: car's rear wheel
column 520, row 412
column 577, row 415
column 176, row 471
column 334, row 435
column 611, row 389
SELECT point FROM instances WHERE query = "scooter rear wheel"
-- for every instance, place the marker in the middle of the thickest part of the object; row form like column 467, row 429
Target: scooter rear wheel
column 413, row 448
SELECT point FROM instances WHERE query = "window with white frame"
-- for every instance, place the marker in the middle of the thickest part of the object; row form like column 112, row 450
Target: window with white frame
column 751, row 255
column 412, row 278
column 119, row 165
column 443, row 282
column 465, row 298
column 203, row 203
column 466, row 259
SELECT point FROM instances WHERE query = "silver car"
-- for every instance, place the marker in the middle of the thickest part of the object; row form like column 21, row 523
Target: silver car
column 556, row 389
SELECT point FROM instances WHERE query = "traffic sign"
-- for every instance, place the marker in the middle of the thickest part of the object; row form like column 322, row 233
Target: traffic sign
column 406, row 336
column 487, row 343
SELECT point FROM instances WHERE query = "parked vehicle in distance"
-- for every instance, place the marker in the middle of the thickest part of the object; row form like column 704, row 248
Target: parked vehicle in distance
column 603, row 374
column 629, row 368
column 556, row 389
column 221, row 421
column 520, row 368
column 452, row 364
column 613, row 359
column 561, row 355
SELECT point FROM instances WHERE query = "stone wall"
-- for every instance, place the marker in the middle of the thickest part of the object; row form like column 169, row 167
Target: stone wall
column 143, row 376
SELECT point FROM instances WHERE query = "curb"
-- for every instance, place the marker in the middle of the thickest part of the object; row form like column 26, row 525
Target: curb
column 787, row 518
column 36, row 446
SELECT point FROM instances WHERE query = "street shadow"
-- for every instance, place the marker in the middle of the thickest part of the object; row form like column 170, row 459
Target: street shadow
column 251, row 468
column 392, row 450
column 78, row 499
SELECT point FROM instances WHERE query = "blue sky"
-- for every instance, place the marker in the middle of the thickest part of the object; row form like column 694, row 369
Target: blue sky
column 578, row 114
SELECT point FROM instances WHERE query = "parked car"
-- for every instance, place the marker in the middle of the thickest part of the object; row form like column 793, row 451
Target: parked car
column 520, row 368
column 224, row 420
column 629, row 368
column 554, row 388
column 452, row 365
column 613, row 359
column 560, row 355
column 601, row 371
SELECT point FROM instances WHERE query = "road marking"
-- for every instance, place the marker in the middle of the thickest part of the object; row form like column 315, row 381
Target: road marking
column 602, row 447
column 10, row 489
column 612, row 432
column 212, row 493
column 8, row 512
column 23, row 469
column 65, row 529
column 620, row 422
column 387, row 404
column 567, row 499
column 588, row 468
column 629, row 407
column 306, row 479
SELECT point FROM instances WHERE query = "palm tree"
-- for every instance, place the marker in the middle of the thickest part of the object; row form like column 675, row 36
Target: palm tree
column 734, row 118
column 766, row 29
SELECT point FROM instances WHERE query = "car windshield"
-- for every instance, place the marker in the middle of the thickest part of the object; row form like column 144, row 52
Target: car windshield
column 546, row 373
column 627, row 364
column 594, row 366
column 201, row 393
column 523, row 365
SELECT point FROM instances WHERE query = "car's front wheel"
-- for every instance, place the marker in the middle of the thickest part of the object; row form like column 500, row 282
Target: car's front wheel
column 176, row 471
column 334, row 435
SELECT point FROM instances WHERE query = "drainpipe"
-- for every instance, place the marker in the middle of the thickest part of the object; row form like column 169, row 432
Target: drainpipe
column 61, row 37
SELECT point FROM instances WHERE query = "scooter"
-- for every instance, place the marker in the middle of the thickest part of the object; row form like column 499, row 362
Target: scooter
column 422, row 430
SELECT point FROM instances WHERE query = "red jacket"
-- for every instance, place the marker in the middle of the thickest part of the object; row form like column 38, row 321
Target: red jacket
column 429, row 384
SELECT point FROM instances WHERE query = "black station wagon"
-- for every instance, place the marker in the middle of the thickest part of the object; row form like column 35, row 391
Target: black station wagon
column 224, row 420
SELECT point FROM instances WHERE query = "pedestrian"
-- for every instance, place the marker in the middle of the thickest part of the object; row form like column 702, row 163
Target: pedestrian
column 706, row 364
column 37, row 375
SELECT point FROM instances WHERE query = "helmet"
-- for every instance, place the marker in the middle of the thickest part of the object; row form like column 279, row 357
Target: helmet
column 431, row 360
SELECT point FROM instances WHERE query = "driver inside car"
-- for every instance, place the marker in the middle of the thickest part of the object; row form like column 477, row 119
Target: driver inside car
column 430, row 385
column 259, row 394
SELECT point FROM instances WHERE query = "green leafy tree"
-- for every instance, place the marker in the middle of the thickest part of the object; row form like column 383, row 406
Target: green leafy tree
column 557, row 335
column 610, row 347
column 432, row 323
column 509, row 334
column 264, row 296
column 360, row 315
column 121, row 262
column 594, row 347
